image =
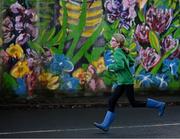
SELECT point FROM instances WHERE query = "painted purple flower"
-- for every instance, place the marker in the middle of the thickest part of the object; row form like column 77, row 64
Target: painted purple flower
column 17, row 8
column 112, row 5
column 159, row 19
column 20, row 26
column 8, row 28
column 149, row 58
column 130, row 4
column 169, row 43
column 36, row 62
column 124, row 12
column 142, row 33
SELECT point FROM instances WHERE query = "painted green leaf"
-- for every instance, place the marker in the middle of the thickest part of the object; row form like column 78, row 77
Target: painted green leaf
column 88, row 57
column 63, row 35
column 139, row 69
column 107, row 31
column 115, row 25
column 90, row 41
column 96, row 53
column 85, row 66
column 48, row 35
column 78, row 31
column 154, row 41
column 54, row 50
column 169, row 31
column 177, row 34
column 9, row 82
column 141, row 16
column 36, row 46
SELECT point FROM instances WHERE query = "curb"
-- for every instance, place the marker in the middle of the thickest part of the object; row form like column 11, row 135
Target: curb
column 87, row 102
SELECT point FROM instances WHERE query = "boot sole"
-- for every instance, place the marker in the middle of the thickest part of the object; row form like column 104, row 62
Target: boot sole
column 96, row 125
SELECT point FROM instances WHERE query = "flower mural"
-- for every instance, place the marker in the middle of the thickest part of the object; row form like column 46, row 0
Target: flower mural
column 67, row 49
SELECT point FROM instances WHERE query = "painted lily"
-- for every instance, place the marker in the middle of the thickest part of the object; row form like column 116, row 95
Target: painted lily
column 168, row 43
column 15, row 51
column 142, row 34
column 149, row 58
column 20, row 69
column 159, row 19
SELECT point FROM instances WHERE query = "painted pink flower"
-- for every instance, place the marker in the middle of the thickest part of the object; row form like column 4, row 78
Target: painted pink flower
column 149, row 58
column 142, row 34
column 159, row 19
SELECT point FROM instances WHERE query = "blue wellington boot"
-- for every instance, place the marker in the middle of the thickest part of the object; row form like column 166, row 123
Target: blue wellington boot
column 108, row 119
column 151, row 103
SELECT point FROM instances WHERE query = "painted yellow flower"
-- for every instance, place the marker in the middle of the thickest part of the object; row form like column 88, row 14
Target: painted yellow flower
column 80, row 74
column 20, row 69
column 49, row 80
column 99, row 65
column 88, row 76
column 15, row 51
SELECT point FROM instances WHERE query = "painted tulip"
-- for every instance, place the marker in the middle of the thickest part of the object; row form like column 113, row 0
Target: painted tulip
column 159, row 19
column 142, row 33
column 149, row 58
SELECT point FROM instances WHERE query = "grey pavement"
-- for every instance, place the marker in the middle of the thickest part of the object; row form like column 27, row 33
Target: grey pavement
column 77, row 123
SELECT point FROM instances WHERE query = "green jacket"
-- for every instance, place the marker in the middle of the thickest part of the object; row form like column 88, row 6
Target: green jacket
column 120, row 68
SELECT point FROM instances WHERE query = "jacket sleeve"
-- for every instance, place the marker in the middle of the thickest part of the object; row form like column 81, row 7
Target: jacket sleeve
column 118, row 64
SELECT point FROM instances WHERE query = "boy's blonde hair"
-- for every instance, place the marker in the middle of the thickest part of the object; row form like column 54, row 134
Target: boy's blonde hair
column 119, row 38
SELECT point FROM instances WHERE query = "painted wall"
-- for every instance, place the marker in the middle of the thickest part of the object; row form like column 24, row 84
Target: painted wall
column 63, row 45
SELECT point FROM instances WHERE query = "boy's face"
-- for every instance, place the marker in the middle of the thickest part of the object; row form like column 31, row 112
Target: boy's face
column 114, row 43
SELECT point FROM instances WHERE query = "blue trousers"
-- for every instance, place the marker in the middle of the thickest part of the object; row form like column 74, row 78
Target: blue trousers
column 118, row 91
